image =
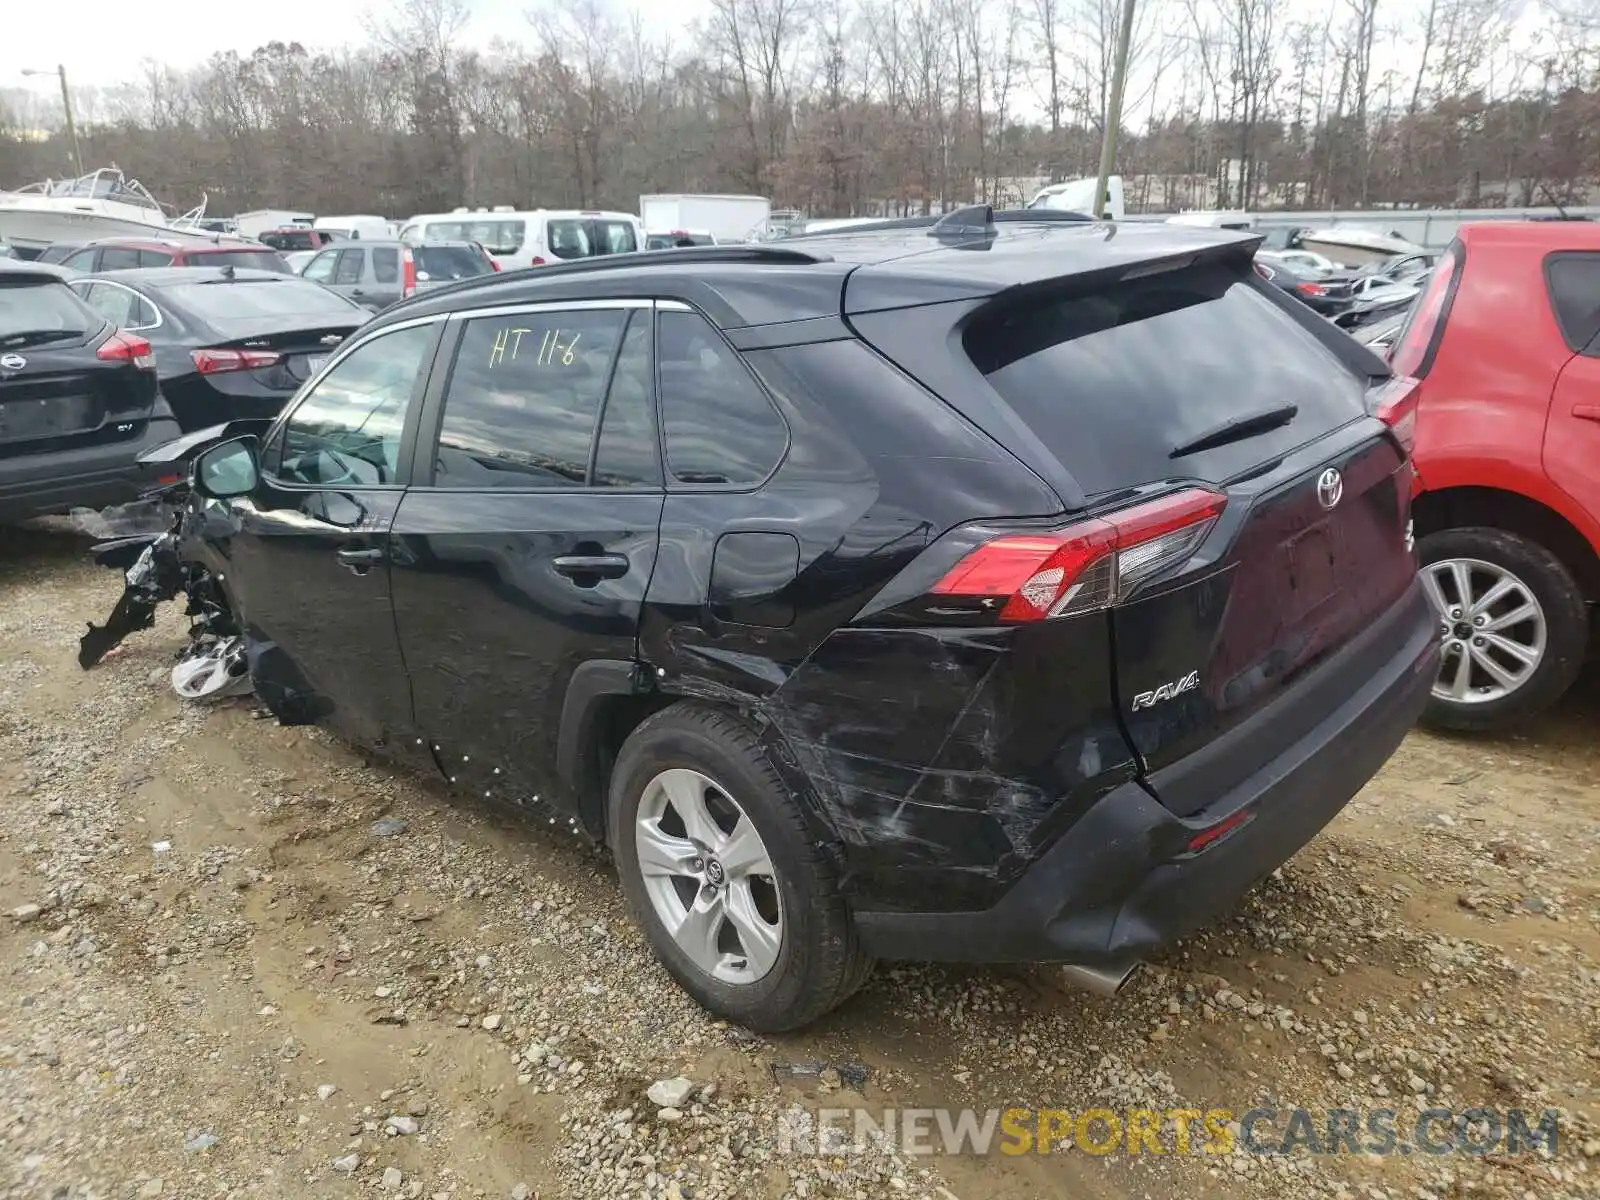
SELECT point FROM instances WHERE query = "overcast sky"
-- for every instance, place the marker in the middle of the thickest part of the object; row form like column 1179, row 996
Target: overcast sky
column 39, row 34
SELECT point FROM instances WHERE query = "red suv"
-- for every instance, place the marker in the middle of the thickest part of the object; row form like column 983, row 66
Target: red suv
column 1506, row 341
column 127, row 254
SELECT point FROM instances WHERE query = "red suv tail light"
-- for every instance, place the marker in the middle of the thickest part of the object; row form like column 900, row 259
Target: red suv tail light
column 1418, row 342
column 1311, row 289
column 408, row 268
column 127, row 347
column 1090, row 565
column 219, row 362
column 1395, row 404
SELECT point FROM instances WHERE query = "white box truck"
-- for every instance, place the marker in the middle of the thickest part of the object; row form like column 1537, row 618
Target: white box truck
column 726, row 218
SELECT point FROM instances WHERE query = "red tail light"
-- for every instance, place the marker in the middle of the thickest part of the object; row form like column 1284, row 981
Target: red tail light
column 1418, row 342
column 1310, row 289
column 127, row 347
column 1395, row 405
column 1090, row 565
column 408, row 267
column 219, row 362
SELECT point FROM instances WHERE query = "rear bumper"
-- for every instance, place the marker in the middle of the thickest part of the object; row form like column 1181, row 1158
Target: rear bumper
column 1122, row 881
column 35, row 485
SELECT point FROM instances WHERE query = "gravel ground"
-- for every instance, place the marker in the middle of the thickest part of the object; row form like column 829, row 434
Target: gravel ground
column 241, row 961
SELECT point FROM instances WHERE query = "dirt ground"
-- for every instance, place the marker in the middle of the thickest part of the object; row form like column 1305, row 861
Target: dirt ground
column 241, row 961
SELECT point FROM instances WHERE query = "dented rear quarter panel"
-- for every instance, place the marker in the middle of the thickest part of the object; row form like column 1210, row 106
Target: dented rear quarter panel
column 938, row 762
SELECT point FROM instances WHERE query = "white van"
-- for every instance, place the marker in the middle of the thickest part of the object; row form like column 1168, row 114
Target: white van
column 516, row 239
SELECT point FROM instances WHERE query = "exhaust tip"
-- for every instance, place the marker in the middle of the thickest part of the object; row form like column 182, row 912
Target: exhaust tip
column 1102, row 981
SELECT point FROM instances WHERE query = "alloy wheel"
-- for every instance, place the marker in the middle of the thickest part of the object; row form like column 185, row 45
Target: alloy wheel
column 1493, row 626
column 709, row 876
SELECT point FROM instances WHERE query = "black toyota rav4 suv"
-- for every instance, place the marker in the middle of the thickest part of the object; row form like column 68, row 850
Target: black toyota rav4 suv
column 1001, row 588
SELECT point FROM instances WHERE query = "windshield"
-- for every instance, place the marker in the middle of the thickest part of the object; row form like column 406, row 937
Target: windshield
column 229, row 300
column 439, row 263
column 33, row 311
column 497, row 236
column 260, row 260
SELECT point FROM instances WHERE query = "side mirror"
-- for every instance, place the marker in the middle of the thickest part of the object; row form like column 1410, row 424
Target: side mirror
column 227, row 469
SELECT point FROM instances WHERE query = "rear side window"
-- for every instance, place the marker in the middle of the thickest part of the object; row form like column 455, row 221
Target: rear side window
column 615, row 237
column 1574, row 283
column 386, row 264
column 439, row 263
column 524, row 397
column 31, row 312
column 1122, row 383
column 719, row 425
column 123, row 307
column 154, row 258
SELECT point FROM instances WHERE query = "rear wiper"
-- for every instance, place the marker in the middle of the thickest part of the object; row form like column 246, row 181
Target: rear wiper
column 35, row 337
column 1238, row 429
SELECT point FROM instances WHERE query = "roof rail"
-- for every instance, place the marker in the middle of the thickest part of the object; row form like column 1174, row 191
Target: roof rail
column 1005, row 216
column 754, row 252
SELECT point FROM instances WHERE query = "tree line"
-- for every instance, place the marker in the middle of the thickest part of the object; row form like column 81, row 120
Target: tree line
column 846, row 107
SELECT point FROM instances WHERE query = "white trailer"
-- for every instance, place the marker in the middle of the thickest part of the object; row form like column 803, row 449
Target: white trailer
column 726, row 218
column 357, row 227
column 254, row 224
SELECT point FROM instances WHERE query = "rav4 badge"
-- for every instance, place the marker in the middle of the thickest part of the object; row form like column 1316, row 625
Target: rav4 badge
column 1167, row 691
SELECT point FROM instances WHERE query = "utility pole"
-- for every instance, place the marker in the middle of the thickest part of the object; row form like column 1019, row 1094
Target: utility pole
column 66, row 103
column 1119, row 82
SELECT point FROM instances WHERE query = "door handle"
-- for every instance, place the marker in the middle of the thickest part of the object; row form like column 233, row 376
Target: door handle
column 357, row 292
column 1586, row 412
column 601, row 566
column 359, row 562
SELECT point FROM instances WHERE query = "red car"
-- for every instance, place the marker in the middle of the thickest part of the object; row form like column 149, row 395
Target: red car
column 1506, row 342
column 126, row 254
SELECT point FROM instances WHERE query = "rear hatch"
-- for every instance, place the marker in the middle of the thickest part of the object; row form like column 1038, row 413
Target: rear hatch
column 1246, row 511
column 55, row 392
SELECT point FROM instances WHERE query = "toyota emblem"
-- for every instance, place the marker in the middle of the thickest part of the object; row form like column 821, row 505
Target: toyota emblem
column 1330, row 488
column 12, row 362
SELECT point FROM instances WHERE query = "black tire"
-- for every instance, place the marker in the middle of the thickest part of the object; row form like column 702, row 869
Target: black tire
column 821, row 962
column 1566, row 621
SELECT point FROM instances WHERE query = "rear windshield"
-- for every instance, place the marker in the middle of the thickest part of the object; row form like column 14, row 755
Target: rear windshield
column 260, row 260
column 581, row 237
column 449, row 262
column 32, row 310
column 497, row 237
column 288, row 297
column 1114, row 381
column 294, row 239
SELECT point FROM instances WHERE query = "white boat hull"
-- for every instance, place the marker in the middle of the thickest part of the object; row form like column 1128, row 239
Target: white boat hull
column 30, row 228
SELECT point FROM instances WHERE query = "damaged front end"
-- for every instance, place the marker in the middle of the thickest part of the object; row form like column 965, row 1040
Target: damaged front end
column 155, row 571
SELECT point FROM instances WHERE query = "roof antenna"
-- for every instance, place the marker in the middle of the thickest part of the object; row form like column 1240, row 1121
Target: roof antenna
column 974, row 221
column 228, row 271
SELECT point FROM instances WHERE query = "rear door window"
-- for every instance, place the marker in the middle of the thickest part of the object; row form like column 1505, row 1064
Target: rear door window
column 350, row 266
column 1573, row 279
column 614, row 237
column 154, row 258
column 123, row 307
column 720, row 427
column 83, row 260
column 386, row 264
column 523, row 399
column 116, row 258
column 1116, row 381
